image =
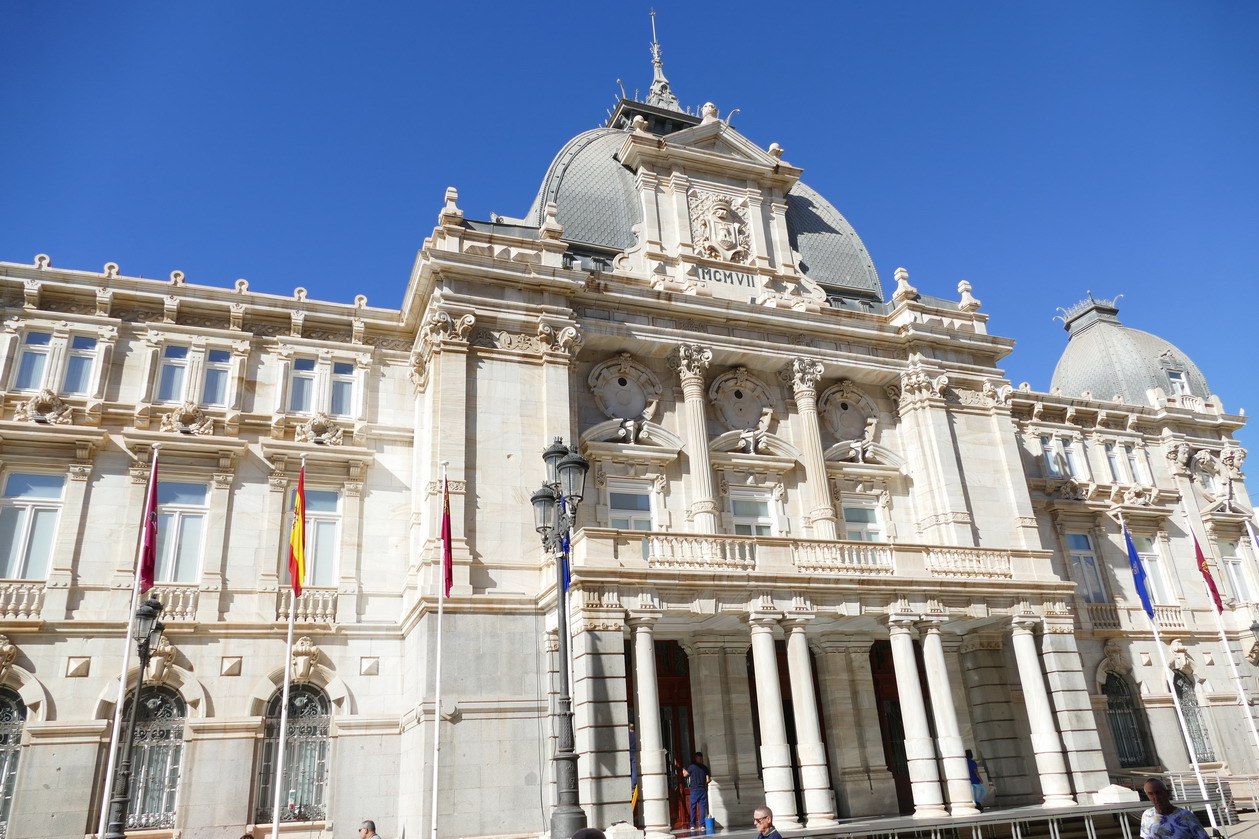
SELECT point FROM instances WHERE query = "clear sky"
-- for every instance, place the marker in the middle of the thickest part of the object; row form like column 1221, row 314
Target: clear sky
column 1039, row 150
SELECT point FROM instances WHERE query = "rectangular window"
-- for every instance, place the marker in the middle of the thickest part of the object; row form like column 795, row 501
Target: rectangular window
column 1235, row 570
column 323, row 537
column 1177, row 380
column 1068, row 457
column 861, row 523
column 181, row 515
column 630, row 508
column 1160, row 591
column 34, row 361
column 28, row 524
column 171, row 374
column 1049, row 452
column 302, row 385
column 342, row 403
column 751, row 516
column 79, row 364
column 217, row 369
column 1084, row 567
column 1113, row 461
column 1135, row 468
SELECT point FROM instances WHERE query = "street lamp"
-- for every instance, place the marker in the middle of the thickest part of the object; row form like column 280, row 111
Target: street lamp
column 554, row 513
column 147, row 632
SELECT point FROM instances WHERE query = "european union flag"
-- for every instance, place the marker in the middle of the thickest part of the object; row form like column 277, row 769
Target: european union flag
column 1138, row 574
column 565, row 544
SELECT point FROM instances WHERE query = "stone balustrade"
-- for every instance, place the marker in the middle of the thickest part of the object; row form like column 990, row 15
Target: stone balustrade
column 978, row 563
column 1104, row 616
column 21, row 601
column 179, row 602
column 316, row 605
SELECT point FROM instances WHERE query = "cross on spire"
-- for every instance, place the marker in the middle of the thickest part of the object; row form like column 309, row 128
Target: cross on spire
column 660, row 95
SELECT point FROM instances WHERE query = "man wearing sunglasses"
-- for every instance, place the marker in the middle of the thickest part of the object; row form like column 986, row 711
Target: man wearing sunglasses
column 367, row 830
column 763, row 819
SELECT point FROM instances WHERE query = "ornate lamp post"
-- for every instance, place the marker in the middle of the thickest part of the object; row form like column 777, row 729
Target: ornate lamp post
column 554, row 513
column 148, row 629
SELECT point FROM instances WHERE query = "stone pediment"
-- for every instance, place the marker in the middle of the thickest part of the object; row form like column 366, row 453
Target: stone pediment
column 717, row 137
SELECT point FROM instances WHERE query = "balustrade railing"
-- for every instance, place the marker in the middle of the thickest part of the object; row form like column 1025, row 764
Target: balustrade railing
column 21, row 601
column 969, row 562
column 316, row 605
column 1169, row 617
column 1104, row 615
column 179, row 603
column 843, row 557
column 672, row 550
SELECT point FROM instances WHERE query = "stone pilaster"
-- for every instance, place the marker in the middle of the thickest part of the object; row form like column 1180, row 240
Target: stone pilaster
column 1074, row 709
column 1055, row 784
column 803, row 374
column 601, row 717
column 690, row 361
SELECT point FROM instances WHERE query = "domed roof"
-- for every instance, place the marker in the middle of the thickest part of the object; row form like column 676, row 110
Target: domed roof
column 598, row 204
column 1108, row 359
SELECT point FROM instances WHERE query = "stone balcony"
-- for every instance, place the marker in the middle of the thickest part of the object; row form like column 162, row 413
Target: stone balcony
column 316, row 605
column 21, row 599
column 600, row 548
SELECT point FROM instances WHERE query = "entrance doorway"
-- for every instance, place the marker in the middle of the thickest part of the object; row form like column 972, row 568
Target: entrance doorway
column 677, row 728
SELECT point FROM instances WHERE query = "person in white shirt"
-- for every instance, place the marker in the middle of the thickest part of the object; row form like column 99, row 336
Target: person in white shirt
column 1165, row 820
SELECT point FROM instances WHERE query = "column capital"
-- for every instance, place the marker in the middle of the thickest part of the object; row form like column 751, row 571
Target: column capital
column 802, row 374
column 1025, row 624
column 643, row 618
column 900, row 624
column 930, row 624
column 762, row 619
column 797, row 620
column 690, row 361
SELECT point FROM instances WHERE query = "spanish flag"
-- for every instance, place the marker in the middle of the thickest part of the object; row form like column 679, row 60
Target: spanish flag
column 297, row 538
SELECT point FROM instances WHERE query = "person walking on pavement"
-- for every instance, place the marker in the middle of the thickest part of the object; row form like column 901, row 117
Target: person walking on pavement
column 699, row 776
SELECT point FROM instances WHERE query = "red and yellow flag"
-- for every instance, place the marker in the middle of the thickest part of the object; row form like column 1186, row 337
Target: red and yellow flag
column 297, row 537
column 448, row 559
column 1206, row 575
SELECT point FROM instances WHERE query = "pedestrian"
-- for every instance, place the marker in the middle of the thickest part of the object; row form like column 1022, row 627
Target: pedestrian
column 977, row 788
column 1165, row 820
column 589, row 833
column 699, row 777
column 367, row 830
column 763, row 819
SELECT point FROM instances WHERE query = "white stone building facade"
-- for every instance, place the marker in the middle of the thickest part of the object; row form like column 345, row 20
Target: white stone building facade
column 823, row 539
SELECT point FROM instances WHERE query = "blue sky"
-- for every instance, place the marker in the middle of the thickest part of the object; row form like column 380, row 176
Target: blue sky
column 1038, row 150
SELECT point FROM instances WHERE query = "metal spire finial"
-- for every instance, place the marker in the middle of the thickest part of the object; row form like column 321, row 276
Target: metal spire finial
column 660, row 94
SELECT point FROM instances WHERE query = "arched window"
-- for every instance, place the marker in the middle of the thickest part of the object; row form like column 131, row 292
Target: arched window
column 1193, row 717
column 1127, row 723
column 155, row 758
column 12, row 720
column 305, row 757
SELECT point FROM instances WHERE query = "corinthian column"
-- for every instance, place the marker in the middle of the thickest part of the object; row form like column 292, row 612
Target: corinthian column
column 819, row 801
column 920, row 752
column 803, row 374
column 1046, row 743
column 690, row 361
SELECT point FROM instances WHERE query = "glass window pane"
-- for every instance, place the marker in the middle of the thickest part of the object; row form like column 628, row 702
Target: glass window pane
column 38, row 339
column 30, row 374
column 165, row 526
column 78, row 371
column 342, row 368
column 1143, row 544
column 342, row 395
column 324, row 553
column 12, row 529
column 218, row 356
column 303, row 364
column 750, row 509
column 1079, row 542
column 862, row 515
column 215, row 392
column 630, row 501
column 321, row 500
column 39, row 549
column 34, row 486
column 170, row 386
column 188, row 555
column 82, row 342
column 743, row 530
column 172, row 492
column 175, row 352
column 300, row 397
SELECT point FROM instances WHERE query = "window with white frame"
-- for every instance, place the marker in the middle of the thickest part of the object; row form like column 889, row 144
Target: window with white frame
column 750, row 513
column 1113, row 461
column 1238, row 578
column 1060, row 457
column 190, row 373
column 62, row 363
column 28, row 524
column 861, row 521
column 1136, row 469
column 1147, row 549
column 172, row 373
column 322, row 385
column 1179, row 386
column 181, row 517
column 1084, row 567
column 323, row 536
column 629, row 506
column 218, row 369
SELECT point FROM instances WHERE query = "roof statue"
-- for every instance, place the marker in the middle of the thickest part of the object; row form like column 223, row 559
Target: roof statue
column 660, row 95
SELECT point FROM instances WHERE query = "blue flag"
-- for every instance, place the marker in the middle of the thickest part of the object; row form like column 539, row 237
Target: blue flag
column 1138, row 574
column 565, row 544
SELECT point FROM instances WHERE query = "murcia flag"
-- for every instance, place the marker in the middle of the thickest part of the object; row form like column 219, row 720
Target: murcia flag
column 448, row 557
column 148, row 539
column 1206, row 576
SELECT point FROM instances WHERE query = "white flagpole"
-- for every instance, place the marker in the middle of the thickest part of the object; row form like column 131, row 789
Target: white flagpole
column 116, row 734
column 1171, row 688
column 284, row 700
column 1237, row 680
column 437, row 689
